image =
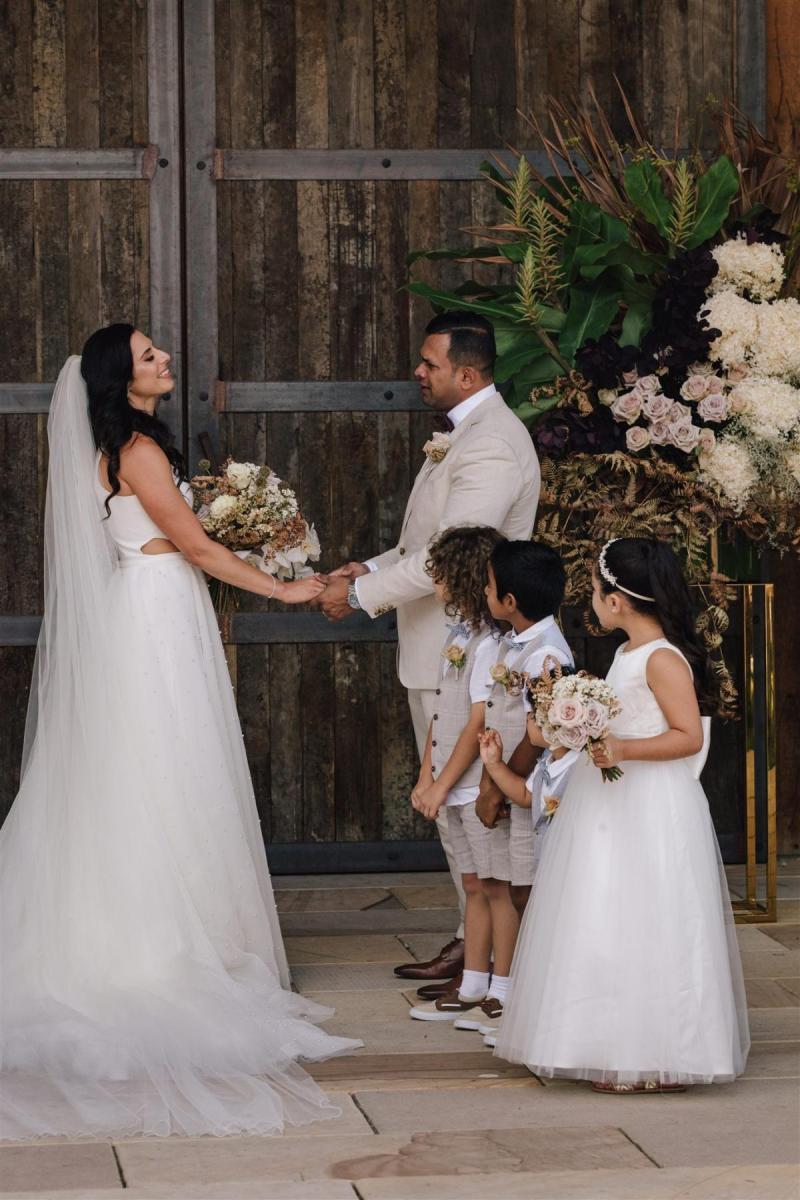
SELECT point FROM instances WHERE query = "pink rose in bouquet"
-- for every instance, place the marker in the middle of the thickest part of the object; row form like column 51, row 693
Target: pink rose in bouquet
column 574, row 711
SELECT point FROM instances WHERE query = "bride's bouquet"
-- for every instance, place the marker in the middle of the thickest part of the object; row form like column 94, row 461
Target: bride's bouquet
column 575, row 711
column 253, row 512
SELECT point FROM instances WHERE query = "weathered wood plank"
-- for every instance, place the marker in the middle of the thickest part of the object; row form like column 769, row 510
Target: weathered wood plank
column 454, row 45
column 422, row 62
column 318, row 744
column 115, row 97
column 358, row 777
column 311, row 68
column 286, row 720
column 49, row 74
column 351, row 111
column 16, row 666
column 16, row 70
column 594, row 37
column 563, row 49
column 83, row 74
column 626, row 55
column 766, row 37
column 493, row 92
column 278, row 56
column 530, row 46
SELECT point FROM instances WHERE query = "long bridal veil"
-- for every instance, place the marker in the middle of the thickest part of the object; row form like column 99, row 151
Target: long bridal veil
column 143, row 987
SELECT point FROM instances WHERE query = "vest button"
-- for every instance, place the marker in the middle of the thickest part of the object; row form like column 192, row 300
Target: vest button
column 433, row 743
column 436, row 716
column 490, row 703
column 438, row 691
column 402, row 550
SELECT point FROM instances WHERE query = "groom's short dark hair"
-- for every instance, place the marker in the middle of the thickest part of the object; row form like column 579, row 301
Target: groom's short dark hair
column 471, row 339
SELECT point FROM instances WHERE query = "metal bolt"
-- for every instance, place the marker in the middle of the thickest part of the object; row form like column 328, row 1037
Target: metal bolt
column 163, row 162
column 388, row 395
column 201, row 166
column 204, row 395
column 386, row 162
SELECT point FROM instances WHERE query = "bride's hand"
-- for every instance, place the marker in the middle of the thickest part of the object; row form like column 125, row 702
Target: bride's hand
column 301, row 591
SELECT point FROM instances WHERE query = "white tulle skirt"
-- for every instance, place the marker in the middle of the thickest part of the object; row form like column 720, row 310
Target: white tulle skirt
column 627, row 967
column 144, row 985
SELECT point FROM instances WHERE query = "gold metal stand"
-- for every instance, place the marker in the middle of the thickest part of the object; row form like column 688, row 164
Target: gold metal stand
column 758, row 696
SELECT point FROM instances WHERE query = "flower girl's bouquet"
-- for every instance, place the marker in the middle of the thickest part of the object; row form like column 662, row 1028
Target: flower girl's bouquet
column 254, row 513
column 575, row 711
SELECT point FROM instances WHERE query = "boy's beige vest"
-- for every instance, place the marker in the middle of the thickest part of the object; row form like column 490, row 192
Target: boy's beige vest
column 453, row 707
column 506, row 712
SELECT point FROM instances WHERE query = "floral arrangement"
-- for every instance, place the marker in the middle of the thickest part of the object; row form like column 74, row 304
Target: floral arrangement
column 574, row 711
column 253, row 512
column 648, row 335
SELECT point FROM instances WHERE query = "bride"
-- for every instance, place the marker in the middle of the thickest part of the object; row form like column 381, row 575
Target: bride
column 144, row 987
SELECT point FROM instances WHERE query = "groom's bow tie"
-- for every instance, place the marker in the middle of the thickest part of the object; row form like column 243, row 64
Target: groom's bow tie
column 443, row 424
column 513, row 641
column 459, row 629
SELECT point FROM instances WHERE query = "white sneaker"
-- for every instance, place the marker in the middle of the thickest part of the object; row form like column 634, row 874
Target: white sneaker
column 445, row 1008
column 490, row 1040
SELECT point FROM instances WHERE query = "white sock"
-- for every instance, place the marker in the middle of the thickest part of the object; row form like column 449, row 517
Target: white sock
column 499, row 987
column 474, row 985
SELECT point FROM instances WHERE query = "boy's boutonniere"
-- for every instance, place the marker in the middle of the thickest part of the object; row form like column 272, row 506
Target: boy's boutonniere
column 512, row 681
column 436, row 449
column 456, row 656
column 551, row 803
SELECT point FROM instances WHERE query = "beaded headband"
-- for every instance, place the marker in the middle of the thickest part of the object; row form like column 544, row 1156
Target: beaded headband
column 611, row 578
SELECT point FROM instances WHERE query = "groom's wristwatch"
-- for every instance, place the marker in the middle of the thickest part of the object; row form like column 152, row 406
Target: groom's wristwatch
column 352, row 596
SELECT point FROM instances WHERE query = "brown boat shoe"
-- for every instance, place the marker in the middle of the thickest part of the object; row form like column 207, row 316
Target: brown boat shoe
column 488, row 1017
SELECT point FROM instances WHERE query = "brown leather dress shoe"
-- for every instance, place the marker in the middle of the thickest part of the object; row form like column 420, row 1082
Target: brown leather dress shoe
column 432, row 991
column 447, row 964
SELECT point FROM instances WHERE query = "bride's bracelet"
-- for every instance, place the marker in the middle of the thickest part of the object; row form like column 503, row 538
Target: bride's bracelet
column 271, row 596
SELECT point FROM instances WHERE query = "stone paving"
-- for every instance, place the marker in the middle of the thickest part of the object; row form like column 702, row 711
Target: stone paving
column 427, row 1113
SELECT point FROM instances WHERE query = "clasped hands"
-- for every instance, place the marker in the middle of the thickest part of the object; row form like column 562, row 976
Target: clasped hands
column 333, row 601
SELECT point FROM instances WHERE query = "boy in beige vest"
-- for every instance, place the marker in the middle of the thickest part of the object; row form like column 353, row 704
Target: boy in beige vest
column 525, row 586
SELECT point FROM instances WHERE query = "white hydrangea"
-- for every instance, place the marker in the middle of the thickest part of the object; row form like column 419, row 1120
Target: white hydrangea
column 241, row 474
column 777, row 346
column 756, row 269
column 793, row 463
column 768, row 407
column 737, row 321
column 729, row 467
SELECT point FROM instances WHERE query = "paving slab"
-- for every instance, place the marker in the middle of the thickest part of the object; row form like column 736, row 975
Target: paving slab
column 329, row 899
column 384, row 919
column 423, row 946
column 745, row 1122
column 678, row 1183
column 774, row 1024
column 56, row 1166
column 367, row 948
column 493, row 1150
column 441, row 895
column 348, row 977
column 778, row 963
column 773, row 1060
column 786, row 935
column 384, row 1026
column 381, row 879
column 232, row 1189
column 770, row 993
column 759, row 937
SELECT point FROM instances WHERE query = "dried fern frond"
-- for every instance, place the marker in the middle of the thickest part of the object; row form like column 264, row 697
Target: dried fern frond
column 683, row 217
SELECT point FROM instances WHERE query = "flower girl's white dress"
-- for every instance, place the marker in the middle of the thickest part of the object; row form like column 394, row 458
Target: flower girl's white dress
column 627, row 967
column 144, row 985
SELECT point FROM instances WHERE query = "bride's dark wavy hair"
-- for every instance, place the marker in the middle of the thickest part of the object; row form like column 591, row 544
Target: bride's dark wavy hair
column 652, row 568
column 107, row 368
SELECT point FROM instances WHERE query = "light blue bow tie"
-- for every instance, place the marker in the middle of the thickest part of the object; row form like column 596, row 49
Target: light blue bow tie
column 459, row 629
column 511, row 640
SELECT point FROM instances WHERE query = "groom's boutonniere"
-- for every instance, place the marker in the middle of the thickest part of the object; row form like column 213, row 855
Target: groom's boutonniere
column 436, row 449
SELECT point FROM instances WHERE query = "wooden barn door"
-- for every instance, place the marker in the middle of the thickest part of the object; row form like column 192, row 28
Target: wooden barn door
column 325, row 139
column 89, row 234
column 273, row 163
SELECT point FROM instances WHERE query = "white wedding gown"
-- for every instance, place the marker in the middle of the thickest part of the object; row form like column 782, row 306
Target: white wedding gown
column 144, row 983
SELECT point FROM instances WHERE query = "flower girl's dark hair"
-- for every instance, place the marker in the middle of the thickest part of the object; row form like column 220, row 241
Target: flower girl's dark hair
column 651, row 569
column 459, row 558
column 107, row 368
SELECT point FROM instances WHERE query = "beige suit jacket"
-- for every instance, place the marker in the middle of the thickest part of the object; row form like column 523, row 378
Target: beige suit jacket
column 489, row 476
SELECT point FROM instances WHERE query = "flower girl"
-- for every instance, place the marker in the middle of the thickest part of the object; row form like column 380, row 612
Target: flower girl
column 627, row 970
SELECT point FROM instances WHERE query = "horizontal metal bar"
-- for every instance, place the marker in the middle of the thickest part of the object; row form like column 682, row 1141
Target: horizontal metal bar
column 25, row 397
column 252, row 629
column 136, row 162
column 248, row 629
column 317, row 396
column 19, row 631
column 363, row 164
column 330, row 858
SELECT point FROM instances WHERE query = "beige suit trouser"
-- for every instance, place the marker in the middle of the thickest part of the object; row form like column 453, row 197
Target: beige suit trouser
column 422, row 702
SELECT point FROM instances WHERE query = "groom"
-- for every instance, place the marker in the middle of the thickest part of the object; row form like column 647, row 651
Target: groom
column 485, row 473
